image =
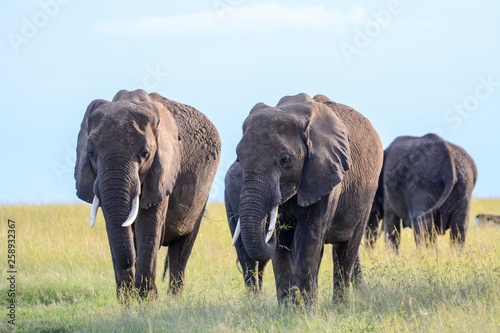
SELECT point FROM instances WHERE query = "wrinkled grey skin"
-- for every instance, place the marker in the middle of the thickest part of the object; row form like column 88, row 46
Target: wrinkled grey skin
column 162, row 150
column 320, row 162
column 427, row 183
column 253, row 270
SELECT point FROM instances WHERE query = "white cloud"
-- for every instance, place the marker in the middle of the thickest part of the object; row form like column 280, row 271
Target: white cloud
column 259, row 17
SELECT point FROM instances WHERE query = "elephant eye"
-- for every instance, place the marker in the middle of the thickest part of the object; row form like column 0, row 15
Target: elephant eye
column 91, row 152
column 284, row 159
column 145, row 153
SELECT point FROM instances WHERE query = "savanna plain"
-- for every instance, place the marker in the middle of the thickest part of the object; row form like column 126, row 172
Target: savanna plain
column 65, row 283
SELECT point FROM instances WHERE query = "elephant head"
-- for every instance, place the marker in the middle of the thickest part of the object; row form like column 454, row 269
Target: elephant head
column 300, row 147
column 127, row 158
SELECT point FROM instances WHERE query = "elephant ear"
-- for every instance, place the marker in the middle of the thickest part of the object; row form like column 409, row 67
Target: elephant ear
column 329, row 155
column 162, row 175
column 84, row 173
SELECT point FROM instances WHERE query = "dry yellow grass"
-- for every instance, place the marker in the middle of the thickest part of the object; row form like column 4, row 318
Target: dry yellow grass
column 65, row 282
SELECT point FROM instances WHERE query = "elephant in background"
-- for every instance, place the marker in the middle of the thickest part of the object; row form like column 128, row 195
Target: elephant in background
column 149, row 160
column 427, row 183
column 253, row 270
column 373, row 229
column 487, row 219
column 319, row 162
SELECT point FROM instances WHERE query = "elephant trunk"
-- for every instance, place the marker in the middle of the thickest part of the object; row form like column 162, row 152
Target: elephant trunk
column 117, row 190
column 256, row 203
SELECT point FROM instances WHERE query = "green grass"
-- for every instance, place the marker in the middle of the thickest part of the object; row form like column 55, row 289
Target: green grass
column 65, row 283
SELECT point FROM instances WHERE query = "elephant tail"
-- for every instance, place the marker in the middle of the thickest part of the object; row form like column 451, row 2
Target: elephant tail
column 449, row 178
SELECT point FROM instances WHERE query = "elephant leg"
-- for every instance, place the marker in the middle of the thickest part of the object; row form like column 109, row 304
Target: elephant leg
column 261, row 266
column 283, row 261
column 339, row 284
column 457, row 235
column 124, row 280
column 459, row 221
column 357, row 273
column 309, row 245
column 372, row 230
column 250, row 271
column 423, row 231
column 178, row 254
column 345, row 258
column 392, row 228
column 432, row 237
column 148, row 233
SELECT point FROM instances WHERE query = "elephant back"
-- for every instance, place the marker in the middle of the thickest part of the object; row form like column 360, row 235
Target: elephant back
column 200, row 154
column 418, row 166
column 364, row 141
column 464, row 164
column 197, row 134
column 361, row 182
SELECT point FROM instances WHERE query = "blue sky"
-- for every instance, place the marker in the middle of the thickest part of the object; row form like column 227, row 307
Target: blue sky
column 411, row 67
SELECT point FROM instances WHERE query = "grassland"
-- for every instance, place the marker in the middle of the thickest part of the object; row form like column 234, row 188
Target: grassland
column 65, row 282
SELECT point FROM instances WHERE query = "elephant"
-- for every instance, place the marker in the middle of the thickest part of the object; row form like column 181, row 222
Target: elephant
column 253, row 270
column 373, row 230
column 487, row 219
column 319, row 162
column 146, row 159
column 427, row 183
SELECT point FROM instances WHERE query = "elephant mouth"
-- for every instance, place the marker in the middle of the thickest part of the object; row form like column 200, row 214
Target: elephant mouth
column 130, row 219
column 287, row 195
column 271, row 218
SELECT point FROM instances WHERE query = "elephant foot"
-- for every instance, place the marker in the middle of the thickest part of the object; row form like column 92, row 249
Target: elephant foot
column 130, row 292
column 253, row 290
column 298, row 299
column 176, row 288
column 146, row 289
column 339, row 297
column 457, row 245
column 125, row 291
column 341, row 292
column 392, row 247
column 147, row 294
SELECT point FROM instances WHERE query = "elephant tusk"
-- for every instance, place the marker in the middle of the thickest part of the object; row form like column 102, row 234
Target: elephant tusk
column 133, row 213
column 237, row 232
column 272, row 224
column 93, row 211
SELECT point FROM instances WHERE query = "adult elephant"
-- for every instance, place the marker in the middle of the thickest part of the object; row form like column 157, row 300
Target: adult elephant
column 427, row 183
column 151, row 160
column 319, row 161
column 253, row 270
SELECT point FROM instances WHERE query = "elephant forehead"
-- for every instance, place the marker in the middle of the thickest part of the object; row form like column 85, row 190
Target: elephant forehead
column 269, row 124
column 265, row 134
column 126, row 117
column 120, row 132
